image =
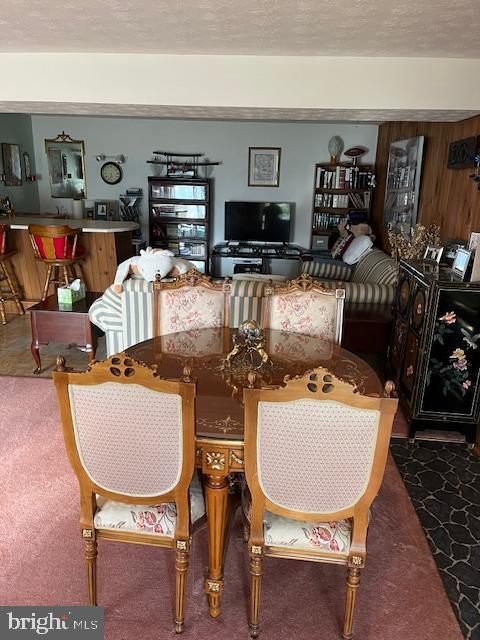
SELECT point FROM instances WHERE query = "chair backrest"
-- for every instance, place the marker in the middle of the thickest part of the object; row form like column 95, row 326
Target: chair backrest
column 129, row 435
column 192, row 301
column 53, row 242
column 3, row 238
column 315, row 449
column 303, row 306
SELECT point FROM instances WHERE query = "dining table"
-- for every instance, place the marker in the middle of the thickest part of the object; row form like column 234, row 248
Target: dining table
column 200, row 355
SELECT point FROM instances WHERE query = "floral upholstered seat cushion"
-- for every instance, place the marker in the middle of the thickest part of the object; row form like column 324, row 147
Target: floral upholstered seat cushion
column 157, row 519
column 326, row 537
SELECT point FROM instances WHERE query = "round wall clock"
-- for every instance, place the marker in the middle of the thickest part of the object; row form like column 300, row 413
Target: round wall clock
column 111, row 173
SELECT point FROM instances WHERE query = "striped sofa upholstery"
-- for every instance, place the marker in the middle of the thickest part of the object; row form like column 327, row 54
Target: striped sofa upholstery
column 372, row 281
column 127, row 318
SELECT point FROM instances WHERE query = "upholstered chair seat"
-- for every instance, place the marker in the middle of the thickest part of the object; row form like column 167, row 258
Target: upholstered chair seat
column 159, row 519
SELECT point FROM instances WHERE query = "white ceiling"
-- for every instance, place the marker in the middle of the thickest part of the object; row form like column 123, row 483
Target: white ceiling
column 425, row 28
column 236, row 113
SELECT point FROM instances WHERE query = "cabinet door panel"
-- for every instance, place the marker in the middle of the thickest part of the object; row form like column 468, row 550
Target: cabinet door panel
column 409, row 367
column 397, row 346
column 452, row 366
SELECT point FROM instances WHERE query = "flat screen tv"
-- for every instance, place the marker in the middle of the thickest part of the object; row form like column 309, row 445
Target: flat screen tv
column 258, row 221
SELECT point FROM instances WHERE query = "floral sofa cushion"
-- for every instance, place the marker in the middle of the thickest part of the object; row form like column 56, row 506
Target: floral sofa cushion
column 157, row 519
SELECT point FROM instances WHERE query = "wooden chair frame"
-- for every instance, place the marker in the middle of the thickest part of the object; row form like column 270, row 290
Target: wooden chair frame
column 304, row 283
column 322, row 385
column 122, row 369
column 53, row 263
column 6, row 273
column 192, row 278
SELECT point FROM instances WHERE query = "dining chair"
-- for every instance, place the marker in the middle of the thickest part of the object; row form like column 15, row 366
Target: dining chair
column 130, row 438
column 58, row 248
column 315, row 455
column 9, row 291
column 303, row 306
column 192, row 301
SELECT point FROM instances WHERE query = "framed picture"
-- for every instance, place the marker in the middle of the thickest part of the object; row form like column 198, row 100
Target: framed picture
column 101, row 210
column 26, row 166
column 474, row 241
column 12, row 167
column 433, row 253
column 264, row 166
column 461, row 261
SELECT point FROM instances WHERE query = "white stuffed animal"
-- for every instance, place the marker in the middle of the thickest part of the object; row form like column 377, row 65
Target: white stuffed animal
column 148, row 264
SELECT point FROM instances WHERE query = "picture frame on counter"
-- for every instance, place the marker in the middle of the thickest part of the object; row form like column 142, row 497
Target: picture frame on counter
column 461, row 262
column 474, row 241
column 264, row 166
column 101, row 210
column 434, row 253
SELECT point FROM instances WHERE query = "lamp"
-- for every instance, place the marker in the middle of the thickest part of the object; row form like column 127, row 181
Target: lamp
column 335, row 148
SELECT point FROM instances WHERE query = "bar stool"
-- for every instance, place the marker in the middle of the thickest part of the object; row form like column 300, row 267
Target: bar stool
column 10, row 292
column 58, row 248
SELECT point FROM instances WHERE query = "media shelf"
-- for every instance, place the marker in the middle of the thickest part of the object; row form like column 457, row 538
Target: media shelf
column 339, row 189
column 254, row 256
column 180, row 217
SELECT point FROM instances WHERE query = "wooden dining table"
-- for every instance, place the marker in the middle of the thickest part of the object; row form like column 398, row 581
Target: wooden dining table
column 199, row 355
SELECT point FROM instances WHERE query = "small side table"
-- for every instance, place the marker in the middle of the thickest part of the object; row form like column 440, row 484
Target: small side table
column 66, row 326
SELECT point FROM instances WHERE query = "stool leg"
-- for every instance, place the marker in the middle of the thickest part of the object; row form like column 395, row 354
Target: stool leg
column 65, row 275
column 47, row 282
column 79, row 269
column 13, row 289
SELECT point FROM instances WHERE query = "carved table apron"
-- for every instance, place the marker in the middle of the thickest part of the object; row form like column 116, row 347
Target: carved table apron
column 199, row 355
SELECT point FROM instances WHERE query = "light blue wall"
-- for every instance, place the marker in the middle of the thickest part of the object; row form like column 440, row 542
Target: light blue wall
column 303, row 144
column 17, row 129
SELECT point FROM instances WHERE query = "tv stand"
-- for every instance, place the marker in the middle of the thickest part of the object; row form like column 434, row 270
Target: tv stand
column 255, row 254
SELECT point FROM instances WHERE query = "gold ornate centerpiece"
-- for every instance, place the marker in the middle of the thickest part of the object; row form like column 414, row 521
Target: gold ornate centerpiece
column 248, row 353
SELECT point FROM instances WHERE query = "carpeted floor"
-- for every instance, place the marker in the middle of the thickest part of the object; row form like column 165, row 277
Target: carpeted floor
column 401, row 596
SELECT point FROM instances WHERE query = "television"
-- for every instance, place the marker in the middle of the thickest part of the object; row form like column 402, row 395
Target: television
column 258, row 221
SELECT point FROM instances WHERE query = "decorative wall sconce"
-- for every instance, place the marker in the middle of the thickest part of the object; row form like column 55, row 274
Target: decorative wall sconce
column 120, row 158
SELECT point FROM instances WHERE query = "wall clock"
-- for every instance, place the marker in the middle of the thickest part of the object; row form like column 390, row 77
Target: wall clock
column 111, row 173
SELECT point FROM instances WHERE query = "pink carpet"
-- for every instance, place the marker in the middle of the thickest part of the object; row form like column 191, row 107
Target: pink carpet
column 41, row 561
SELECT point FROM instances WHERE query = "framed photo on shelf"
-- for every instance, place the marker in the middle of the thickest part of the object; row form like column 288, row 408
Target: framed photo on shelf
column 461, row 262
column 474, row 241
column 101, row 210
column 264, row 166
column 433, row 253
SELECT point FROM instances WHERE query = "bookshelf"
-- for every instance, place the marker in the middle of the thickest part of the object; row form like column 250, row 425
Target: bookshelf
column 179, row 217
column 339, row 190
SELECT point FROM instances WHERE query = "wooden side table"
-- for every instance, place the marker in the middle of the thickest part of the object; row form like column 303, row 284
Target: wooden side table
column 66, row 326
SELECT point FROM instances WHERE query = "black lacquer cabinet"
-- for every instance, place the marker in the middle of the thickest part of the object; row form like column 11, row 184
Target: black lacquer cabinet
column 435, row 350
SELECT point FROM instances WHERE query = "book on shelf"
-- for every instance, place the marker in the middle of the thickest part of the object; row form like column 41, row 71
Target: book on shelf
column 344, row 178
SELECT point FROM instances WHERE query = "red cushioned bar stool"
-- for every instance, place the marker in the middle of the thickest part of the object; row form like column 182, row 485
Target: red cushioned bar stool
column 10, row 291
column 58, row 248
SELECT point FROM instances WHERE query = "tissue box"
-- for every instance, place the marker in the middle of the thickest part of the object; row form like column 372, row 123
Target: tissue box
column 74, row 292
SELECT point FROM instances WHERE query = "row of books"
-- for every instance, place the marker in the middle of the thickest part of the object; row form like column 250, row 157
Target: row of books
column 344, row 200
column 401, row 177
column 324, row 221
column 344, row 178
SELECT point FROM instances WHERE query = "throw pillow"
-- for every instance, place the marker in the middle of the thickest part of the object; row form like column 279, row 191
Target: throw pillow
column 357, row 249
column 341, row 246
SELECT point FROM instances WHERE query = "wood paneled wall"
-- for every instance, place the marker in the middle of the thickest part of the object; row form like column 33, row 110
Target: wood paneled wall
column 448, row 197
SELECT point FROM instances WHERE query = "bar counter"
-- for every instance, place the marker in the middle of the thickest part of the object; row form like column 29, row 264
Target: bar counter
column 107, row 243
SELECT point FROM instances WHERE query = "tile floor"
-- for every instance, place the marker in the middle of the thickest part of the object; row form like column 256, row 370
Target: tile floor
column 443, row 480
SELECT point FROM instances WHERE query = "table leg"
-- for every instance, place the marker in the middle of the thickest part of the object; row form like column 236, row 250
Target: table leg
column 35, row 344
column 90, row 341
column 217, row 499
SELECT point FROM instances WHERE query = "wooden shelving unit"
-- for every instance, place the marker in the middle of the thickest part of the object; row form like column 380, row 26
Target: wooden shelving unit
column 337, row 190
column 180, row 217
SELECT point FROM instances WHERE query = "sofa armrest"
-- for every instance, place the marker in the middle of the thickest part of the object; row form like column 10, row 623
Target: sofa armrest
column 106, row 311
column 364, row 292
column 328, row 270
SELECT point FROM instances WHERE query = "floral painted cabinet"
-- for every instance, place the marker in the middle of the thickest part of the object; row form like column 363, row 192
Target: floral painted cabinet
column 435, row 350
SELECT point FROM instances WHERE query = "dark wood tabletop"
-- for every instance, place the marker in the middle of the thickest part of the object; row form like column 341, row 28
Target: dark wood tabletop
column 201, row 354
column 81, row 306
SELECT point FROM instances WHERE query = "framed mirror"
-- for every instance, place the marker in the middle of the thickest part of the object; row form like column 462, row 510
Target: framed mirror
column 66, row 167
column 12, row 168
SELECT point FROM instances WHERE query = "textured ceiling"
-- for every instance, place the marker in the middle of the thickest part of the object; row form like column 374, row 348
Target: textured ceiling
column 236, row 113
column 432, row 28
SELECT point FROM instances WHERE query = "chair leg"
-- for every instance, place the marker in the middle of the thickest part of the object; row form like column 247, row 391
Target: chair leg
column 256, row 570
column 3, row 315
column 181, row 566
column 91, row 558
column 11, row 285
column 353, row 582
column 47, row 282
column 65, row 275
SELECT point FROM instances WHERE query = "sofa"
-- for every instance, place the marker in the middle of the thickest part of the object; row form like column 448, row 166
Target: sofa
column 127, row 318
